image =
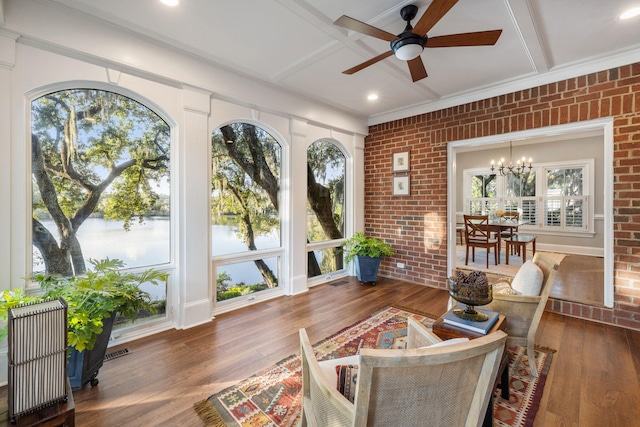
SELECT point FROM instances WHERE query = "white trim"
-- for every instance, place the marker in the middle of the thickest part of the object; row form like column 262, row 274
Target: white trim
column 517, row 84
column 247, row 300
column 604, row 125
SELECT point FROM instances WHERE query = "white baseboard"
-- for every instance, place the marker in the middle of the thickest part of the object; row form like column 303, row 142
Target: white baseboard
column 575, row 250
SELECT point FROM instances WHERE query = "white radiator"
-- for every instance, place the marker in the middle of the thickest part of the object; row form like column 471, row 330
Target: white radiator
column 37, row 345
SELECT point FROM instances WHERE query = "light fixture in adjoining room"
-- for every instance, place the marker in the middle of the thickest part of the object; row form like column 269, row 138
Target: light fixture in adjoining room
column 517, row 169
column 171, row 3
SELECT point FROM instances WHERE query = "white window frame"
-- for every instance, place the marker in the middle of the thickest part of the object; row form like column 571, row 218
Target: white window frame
column 489, row 204
column 329, row 244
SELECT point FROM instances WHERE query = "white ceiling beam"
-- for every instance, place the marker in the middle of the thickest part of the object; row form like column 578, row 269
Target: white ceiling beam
column 525, row 21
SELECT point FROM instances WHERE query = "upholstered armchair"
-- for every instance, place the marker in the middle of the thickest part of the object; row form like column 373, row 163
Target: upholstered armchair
column 524, row 312
column 434, row 385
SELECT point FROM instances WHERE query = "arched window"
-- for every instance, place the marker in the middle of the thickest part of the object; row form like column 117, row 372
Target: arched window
column 100, row 175
column 246, row 211
column 326, row 172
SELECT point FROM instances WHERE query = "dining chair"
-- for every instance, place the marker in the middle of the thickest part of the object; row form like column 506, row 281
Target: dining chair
column 478, row 235
column 510, row 218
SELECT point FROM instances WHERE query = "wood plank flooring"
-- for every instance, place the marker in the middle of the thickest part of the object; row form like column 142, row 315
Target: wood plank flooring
column 593, row 379
column 580, row 278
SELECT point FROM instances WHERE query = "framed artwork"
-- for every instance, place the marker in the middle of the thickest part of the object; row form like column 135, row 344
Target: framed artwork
column 401, row 161
column 401, row 185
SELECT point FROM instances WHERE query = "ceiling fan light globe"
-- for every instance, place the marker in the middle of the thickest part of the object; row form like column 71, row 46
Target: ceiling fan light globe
column 409, row 52
column 408, row 47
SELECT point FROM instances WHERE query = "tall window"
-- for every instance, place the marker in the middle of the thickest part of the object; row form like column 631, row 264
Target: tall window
column 548, row 197
column 483, row 191
column 326, row 171
column 565, row 200
column 246, row 244
column 520, row 196
column 100, row 174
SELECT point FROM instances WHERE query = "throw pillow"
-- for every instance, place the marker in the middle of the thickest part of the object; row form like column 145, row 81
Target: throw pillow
column 347, row 377
column 528, row 279
column 503, row 288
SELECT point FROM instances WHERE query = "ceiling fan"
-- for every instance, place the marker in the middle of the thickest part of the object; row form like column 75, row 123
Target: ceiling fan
column 409, row 44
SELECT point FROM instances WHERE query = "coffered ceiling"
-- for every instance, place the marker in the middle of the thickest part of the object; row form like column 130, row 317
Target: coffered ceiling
column 295, row 45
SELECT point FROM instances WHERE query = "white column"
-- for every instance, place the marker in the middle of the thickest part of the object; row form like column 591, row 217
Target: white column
column 297, row 255
column 194, row 290
column 7, row 61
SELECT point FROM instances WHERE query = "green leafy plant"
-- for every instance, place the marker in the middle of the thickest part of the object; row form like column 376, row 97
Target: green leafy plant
column 91, row 297
column 361, row 245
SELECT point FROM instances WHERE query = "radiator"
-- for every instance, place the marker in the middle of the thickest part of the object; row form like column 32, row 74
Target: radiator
column 37, row 346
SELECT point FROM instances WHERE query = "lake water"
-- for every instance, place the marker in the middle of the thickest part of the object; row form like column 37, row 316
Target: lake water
column 149, row 244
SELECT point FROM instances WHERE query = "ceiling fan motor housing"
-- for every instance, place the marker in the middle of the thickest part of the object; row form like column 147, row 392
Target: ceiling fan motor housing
column 409, row 12
column 408, row 37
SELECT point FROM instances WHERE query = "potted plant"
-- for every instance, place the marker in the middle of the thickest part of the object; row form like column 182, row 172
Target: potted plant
column 368, row 252
column 93, row 300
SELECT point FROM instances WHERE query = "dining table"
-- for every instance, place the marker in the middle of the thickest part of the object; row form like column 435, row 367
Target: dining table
column 500, row 225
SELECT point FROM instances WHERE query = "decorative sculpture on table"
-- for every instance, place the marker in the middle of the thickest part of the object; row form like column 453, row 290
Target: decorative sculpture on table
column 471, row 289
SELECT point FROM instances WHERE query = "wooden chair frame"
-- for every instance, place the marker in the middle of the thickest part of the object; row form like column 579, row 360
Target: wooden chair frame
column 513, row 217
column 478, row 235
column 523, row 313
column 379, row 392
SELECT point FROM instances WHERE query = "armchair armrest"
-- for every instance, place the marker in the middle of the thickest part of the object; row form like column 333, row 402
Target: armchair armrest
column 418, row 335
column 319, row 397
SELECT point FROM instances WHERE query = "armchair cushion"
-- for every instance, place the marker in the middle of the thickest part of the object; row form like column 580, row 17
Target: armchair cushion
column 528, row 280
column 503, row 288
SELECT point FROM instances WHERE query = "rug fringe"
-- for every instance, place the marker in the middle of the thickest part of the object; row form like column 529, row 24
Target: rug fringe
column 209, row 414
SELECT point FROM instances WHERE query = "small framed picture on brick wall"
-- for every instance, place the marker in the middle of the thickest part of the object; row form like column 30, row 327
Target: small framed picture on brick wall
column 401, row 161
column 401, row 185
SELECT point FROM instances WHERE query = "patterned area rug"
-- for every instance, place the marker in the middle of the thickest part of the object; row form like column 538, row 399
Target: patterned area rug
column 272, row 398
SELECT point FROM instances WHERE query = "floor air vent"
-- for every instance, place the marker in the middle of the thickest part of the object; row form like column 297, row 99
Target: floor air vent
column 116, row 354
column 339, row 282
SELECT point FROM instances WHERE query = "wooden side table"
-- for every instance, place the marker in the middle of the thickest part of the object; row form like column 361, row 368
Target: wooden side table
column 446, row 332
column 58, row 415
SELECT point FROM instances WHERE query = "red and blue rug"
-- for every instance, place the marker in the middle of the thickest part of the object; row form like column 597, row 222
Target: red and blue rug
column 272, row 398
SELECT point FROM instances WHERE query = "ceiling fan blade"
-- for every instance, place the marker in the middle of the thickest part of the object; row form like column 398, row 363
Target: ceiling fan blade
column 480, row 38
column 416, row 67
column 436, row 10
column 360, row 27
column 367, row 63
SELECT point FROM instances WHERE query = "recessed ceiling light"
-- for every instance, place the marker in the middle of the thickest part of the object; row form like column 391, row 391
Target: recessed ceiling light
column 170, row 2
column 631, row 13
column 372, row 97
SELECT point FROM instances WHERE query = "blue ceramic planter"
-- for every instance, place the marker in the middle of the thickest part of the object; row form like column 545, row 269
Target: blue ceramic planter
column 83, row 365
column 367, row 268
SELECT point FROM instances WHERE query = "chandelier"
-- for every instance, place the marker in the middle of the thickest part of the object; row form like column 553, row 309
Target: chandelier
column 516, row 169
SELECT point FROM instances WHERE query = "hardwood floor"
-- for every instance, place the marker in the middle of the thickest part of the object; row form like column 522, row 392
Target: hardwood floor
column 593, row 379
column 580, row 277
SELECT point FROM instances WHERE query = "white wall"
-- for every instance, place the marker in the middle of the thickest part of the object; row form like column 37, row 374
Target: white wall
column 43, row 49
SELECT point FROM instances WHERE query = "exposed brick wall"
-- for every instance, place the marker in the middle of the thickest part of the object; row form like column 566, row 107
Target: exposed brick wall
column 416, row 225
